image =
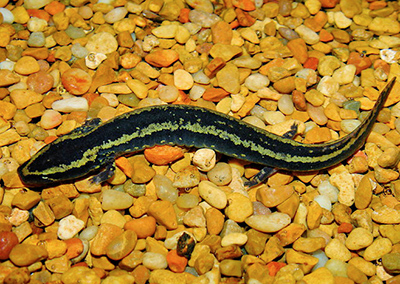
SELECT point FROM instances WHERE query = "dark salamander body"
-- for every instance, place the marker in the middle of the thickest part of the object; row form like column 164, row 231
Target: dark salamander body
column 93, row 147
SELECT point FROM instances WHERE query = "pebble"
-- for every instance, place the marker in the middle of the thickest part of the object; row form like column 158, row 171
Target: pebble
column 212, row 194
column 8, row 240
column 239, row 207
column 153, row 261
column 164, row 213
column 26, row 65
column 391, row 262
column 76, row 81
column 335, row 249
column 116, row 200
column 359, row 238
column 143, row 227
column 204, row 159
column 183, row 80
column 122, row 245
column 377, row 249
column 71, row 104
column 27, row 254
column 268, row 223
column 102, row 42
column 220, row 174
column 69, row 227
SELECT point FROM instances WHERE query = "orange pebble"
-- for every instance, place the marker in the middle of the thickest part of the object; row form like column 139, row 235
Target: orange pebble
column 245, row 5
column 176, row 262
column 274, row 267
column 345, row 228
column 183, row 99
column 184, row 15
column 311, row 63
column 54, row 8
column 125, row 166
column 163, row 155
column 377, row 5
column 90, row 97
column 325, row 36
column 299, row 49
column 234, row 24
column 74, row 247
column 50, row 139
column 215, row 94
column 41, row 14
column 143, row 227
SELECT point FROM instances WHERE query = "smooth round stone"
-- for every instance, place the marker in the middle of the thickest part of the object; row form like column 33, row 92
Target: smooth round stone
column 36, row 39
column 256, row 82
column 196, row 92
column 164, row 188
column 36, row 4
column 102, row 42
column 76, row 81
column 79, row 51
column 359, row 238
column 89, row 233
column 27, row 254
column 247, row 62
column 230, row 267
column 187, row 201
column 212, row 194
column 285, row 104
column 204, row 19
column 204, row 159
column 221, row 174
column 234, row 239
column 50, row 119
column 337, row 267
column 349, row 125
column 40, row 82
column 8, row 17
column 201, row 78
column 168, row 94
column 129, row 99
column 69, row 227
column 113, row 199
column 322, row 259
column 337, row 250
column 273, row 117
column 115, row 15
column 153, row 260
column 183, row 80
column 268, row 223
column 27, row 65
column 377, row 249
column 36, row 24
column 8, row 240
column 71, row 104
column 328, row 86
column 122, row 245
column 239, row 208
column 74, row 32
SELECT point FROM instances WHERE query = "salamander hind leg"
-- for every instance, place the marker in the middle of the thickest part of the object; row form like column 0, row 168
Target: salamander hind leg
column 266, row 172
column 105, row 174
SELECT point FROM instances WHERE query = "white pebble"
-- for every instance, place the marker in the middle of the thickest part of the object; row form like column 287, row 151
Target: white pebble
column 285, row 104
column 196, row 92
column 36, row 25
column 323, row 201
column 273, row 117
column 89, row 233
column 201, row 78
column 71, row 104
column 8, row 17
column 153, row 260
column 204, row 159
column 69, row 226
column 115, row 15
column 234, row 239
column 112, row 99
column 348, row 125
column 164, row 188
column 256, row 82
column 322, row 258
column 327, row 189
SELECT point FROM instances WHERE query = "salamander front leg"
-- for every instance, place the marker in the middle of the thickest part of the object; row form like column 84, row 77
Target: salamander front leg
column 105, row 174
column 266, row 172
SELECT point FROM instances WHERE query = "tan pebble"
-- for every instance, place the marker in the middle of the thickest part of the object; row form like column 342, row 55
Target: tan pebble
column 290, row 233
column 255, row 242
column 195, row 217
column 272, row 250
column 230, row 267
column 268, row 223
column 26, row 65
column 162, row 58
column 23, row 98
column 229, row 79
column 309, row 245
column 355, row 274
column 113, row 199
column 306, row 261
column 77, row 273
column 7, row 110
column 239, row 207
column 166, row 276
column 344, row 182
column 8, row 78
column 359, row 238
column 273, row 196
column 138, row 88
column 335, row 249
column 226, row 52
column 60, row 205
column 384, row 24
column 115, row 88
column 386, row 215
column 234, row 239
column 43, row 213
column 385, row 175
column 105, row 235
column 391, row 232
column 26, row 199
column 389, row 158
column 221, row 33
column 212, row 194
column 122, row 245
column 102, row 42
column 366, row 267
column 214, row 220
column 58, row 265
column 50, row 119
column 377, row 249
column 187, row 178
column 26, row 254
column 164, row 213
column 182, row 35
column 314, row 215
column 142, row 172
column 183, row 80
column 358, row 165
column 320, row 275
column 113, row 217
column 165, row 31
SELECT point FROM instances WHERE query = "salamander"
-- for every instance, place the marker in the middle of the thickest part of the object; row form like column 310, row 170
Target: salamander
column 92, row 148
